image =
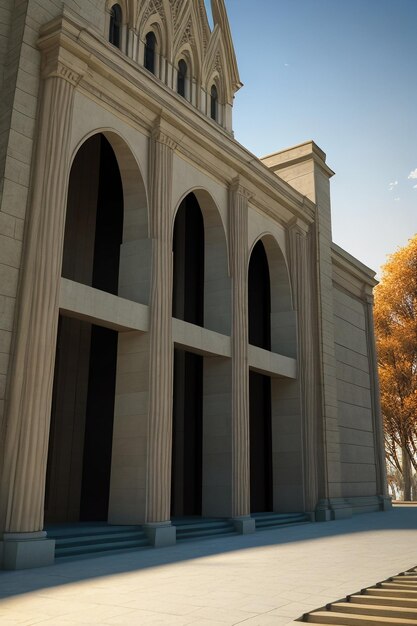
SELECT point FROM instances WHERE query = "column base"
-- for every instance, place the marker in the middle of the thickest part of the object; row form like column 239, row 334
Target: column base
column 26, row 550
column 322, row 512
column 161, row 534
column 244, row 525
column 385, row 502
column 340, row 508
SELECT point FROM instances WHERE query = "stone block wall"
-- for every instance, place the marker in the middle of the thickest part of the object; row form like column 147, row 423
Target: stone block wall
column 357, row 454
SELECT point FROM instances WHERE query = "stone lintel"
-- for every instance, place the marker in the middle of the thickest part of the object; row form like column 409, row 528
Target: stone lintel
column 99, row 307
column 271, row 363
column 200, row 340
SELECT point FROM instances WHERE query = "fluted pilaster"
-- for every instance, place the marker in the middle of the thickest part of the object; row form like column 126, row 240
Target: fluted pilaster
column 238, row 238
column 301, row 277
column 30, row 393
column 161, row 348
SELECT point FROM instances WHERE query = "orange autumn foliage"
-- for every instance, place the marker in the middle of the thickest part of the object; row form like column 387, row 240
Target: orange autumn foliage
column 395, row 315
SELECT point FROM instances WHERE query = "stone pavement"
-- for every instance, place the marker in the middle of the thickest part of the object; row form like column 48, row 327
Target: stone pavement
column 270, row 578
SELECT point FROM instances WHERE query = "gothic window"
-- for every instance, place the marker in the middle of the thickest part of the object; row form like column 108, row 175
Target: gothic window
column 182, row 76
column 214, row 101
column 150, row 52
column 115, row 25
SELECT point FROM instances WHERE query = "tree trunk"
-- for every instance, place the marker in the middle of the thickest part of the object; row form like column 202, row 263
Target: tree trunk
column 407, row 480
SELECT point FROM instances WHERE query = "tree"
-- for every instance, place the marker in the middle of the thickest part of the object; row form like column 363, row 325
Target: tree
column 396, row 337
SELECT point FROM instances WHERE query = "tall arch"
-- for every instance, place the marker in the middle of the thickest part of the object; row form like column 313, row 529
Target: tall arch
column 260, row 425
column 201, row 296
column 275, row 406
column 188, row 305
column 217, row 282
column 106, row 210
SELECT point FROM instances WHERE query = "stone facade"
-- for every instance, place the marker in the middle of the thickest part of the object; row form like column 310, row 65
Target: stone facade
column 64, row 83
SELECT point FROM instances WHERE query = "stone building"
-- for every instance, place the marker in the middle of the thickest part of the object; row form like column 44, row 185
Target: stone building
column 179, row 336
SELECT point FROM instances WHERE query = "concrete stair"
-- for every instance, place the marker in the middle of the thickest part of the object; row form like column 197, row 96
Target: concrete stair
column 78, row 540
column 202, row 528
column 94, row 539
column 274, row 520
column 389, row 603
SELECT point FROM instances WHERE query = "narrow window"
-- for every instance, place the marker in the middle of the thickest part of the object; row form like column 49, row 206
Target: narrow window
column 214, row 98
column 115, row 25
column 182, row 76
column 150, row 48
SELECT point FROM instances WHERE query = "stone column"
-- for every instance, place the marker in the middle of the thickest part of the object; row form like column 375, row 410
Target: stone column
column 299, row 254
column 159, row 526
column 29, row 398
column 238, row 249
column 381, row 474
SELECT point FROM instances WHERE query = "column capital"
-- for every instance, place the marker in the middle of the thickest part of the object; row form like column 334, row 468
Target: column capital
column 58, row 69
column 160, row 135
column 238, row 188
column 299, row 226
column 368, row 297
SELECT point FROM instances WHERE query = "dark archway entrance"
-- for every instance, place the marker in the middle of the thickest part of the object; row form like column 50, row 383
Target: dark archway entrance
column 188, row 305
column 80, row 444
column 259, row 302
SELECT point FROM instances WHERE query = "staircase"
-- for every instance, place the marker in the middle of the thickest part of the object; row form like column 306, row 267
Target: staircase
column 96, row 539
column 202, row 528
column 87, row 539
column 266, row 521
column 388, row 603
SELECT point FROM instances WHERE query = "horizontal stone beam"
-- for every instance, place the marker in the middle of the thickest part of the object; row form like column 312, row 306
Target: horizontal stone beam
column 200, row 340
column 105, row 309
column 271, row 364
column 101, row 308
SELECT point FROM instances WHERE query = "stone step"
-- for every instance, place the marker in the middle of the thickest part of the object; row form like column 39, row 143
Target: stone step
column 348, row 619
column 397, row 585
column 91, row 539
column 376, row 610
column 274, row 520
column 99, row 539
column 202, row 525
column 390, row 593
column 206, row 536
column 412, row 579
column 384, row 600
column 57, row 532
column 99, row 547
column 188, row 530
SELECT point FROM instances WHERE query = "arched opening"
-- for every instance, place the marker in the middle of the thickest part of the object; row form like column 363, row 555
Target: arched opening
column 188, row 305
column 182, row 78
column 80, row 444
column 115, row 29
column 214, row 103
column 150, row 52
column 259, row 305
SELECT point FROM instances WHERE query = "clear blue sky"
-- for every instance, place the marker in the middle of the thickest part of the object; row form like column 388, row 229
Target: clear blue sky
column 343, row 73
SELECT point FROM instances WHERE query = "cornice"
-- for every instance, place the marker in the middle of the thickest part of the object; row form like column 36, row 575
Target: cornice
column 106, row 72
column 352, row 267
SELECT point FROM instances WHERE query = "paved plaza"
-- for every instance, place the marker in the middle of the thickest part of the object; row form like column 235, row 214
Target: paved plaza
column 270, row 578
